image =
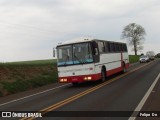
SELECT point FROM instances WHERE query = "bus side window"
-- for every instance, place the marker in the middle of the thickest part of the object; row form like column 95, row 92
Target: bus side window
column 117, row 45
column 114, row 47
column 125, row 47
column 107, row 49
column 95, row 51
column 122, row 48
column 95, row 48
column 101, row 47
column 111, row 45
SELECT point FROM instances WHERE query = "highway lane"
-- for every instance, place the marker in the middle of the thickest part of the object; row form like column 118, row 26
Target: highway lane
column 123, row 94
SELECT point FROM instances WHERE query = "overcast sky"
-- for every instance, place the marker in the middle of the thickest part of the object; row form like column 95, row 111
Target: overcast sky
column 29, row 29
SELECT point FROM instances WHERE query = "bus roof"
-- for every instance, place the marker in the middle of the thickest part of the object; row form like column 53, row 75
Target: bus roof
column 80, row 40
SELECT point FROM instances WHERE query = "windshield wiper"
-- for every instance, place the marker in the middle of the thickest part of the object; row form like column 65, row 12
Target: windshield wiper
column 78, row 59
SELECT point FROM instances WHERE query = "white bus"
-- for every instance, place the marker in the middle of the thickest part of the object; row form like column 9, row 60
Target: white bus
column 90, row 59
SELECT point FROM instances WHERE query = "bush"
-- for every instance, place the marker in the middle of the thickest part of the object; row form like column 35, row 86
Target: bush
column 133, row 58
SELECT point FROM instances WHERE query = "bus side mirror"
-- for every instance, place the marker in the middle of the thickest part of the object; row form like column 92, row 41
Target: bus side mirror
column 54, row 52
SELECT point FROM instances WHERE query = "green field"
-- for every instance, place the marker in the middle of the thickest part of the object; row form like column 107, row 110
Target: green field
column 30, row 63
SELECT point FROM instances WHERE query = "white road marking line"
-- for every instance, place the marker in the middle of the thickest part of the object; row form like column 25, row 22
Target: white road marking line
column 140, row 105
column 33, row 95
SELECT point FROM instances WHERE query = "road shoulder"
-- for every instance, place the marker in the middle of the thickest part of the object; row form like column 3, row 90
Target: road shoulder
column 29, row 93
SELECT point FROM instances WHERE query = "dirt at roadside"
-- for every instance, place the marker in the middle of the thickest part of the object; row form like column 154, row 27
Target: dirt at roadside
column 11, row 74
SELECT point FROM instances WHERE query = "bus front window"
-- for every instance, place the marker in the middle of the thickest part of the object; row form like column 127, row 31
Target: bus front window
column 79, row 53
column 82, row 53
column 64, row 55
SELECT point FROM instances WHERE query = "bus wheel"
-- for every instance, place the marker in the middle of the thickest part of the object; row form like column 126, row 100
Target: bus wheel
column 75, row 83
column 124, row 68
column 103, row 75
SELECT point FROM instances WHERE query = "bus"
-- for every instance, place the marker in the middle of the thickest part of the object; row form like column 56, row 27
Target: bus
column 90, row 60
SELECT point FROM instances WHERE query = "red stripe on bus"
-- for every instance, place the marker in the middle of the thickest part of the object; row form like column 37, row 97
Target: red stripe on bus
column 81, row 78
column 113, row 71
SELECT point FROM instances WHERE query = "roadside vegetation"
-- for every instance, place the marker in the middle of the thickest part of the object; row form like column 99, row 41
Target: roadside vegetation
column 20, row 76
column 134, row 58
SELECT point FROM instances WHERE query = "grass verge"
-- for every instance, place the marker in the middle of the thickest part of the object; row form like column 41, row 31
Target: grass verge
column 134, row 58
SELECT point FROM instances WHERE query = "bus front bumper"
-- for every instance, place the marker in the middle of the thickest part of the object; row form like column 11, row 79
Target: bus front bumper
column 80, row 78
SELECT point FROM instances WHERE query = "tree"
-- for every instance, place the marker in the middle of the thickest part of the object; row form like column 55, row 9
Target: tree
column 134, row 33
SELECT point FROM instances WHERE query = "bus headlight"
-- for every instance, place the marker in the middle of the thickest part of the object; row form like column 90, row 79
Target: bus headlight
column 88, row 78
column 63, row 80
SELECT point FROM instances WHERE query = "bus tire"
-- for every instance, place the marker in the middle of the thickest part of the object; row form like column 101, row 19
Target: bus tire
column 124, row 68
column 103, row 75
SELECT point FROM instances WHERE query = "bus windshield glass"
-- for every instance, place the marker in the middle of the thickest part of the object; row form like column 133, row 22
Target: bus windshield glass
column 79, row 53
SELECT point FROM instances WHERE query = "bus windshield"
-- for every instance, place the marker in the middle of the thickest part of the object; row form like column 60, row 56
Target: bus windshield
column 79, row 53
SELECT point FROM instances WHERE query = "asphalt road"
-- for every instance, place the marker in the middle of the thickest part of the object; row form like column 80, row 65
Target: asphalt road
column 115, row 99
